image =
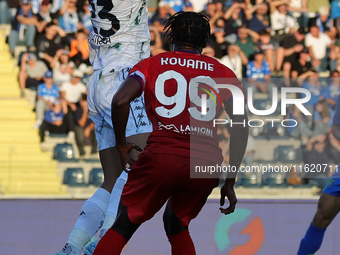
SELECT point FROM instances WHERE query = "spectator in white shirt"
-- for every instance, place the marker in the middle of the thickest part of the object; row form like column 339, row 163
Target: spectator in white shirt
column 72, row 91
column 235, row 59
column 319, row 45
column 281, row 23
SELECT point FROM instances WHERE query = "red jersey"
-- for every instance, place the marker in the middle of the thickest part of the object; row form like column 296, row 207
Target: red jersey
column 174, row 84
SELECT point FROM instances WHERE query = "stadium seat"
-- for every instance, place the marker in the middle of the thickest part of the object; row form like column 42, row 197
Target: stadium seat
column 275, row 180
column 287, row 154
column 64, row 152
column 274, row 131
column 249, row 181
column 92, row 160
column 96, row 177
column 74, row 177
column 256, row 128
column 58, row 135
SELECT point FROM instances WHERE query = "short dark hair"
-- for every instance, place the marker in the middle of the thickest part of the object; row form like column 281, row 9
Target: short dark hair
column 301, row 31
column 264, row 32
column 50, row 24
column 188, row 28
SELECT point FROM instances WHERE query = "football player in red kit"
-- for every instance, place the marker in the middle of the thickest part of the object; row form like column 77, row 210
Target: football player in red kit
column 183, row 136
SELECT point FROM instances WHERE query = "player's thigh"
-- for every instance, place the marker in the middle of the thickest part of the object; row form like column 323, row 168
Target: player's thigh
column 112, row 168
column 148, row 186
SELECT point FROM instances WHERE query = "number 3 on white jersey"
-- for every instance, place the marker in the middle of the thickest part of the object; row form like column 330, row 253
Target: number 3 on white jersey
column 179, row 99
column 104, row 22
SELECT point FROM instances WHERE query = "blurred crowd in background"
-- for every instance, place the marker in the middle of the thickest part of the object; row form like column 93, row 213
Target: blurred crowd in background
column 267, row 43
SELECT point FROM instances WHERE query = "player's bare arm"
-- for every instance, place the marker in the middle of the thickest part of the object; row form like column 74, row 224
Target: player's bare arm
column 129, row 90
column 238, row 143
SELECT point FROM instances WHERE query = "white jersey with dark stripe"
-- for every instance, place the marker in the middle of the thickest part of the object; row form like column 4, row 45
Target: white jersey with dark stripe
column 120, row 33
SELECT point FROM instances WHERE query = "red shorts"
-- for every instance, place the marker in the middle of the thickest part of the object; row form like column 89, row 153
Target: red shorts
column 155, row 178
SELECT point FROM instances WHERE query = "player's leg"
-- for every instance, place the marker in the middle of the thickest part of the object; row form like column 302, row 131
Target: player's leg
column 93, row 211
column 137, row 126
column 114, row 180
column 110, row 161
column 145, row 192
column 111, row 212
column 328, row 208
column 185, row 204
column 118, row 235
column 137, row 123
column 179, row 237
column 137, row 131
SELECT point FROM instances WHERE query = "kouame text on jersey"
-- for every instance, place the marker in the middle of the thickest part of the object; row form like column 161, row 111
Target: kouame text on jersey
column 118, row 26
column 174, row 84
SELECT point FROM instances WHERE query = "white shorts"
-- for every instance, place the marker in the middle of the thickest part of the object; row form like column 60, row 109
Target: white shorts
column 101, row 89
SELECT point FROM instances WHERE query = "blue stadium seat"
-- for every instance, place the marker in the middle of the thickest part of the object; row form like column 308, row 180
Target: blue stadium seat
column 256, row 128
column 287, row 154
column 275, row 180
column 64, row 152
column 92, row 160
column 274, row 131
column 96, row 177
column 74, row 177
column 249, row 181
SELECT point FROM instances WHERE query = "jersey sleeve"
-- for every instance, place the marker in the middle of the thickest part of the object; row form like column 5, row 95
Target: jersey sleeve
column 140, row 73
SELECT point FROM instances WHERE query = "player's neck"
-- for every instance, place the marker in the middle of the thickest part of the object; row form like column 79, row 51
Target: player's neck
column 185, row 48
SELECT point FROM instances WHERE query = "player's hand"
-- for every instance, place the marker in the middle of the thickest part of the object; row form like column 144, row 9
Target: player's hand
column 125, row 156
column 227, row 190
